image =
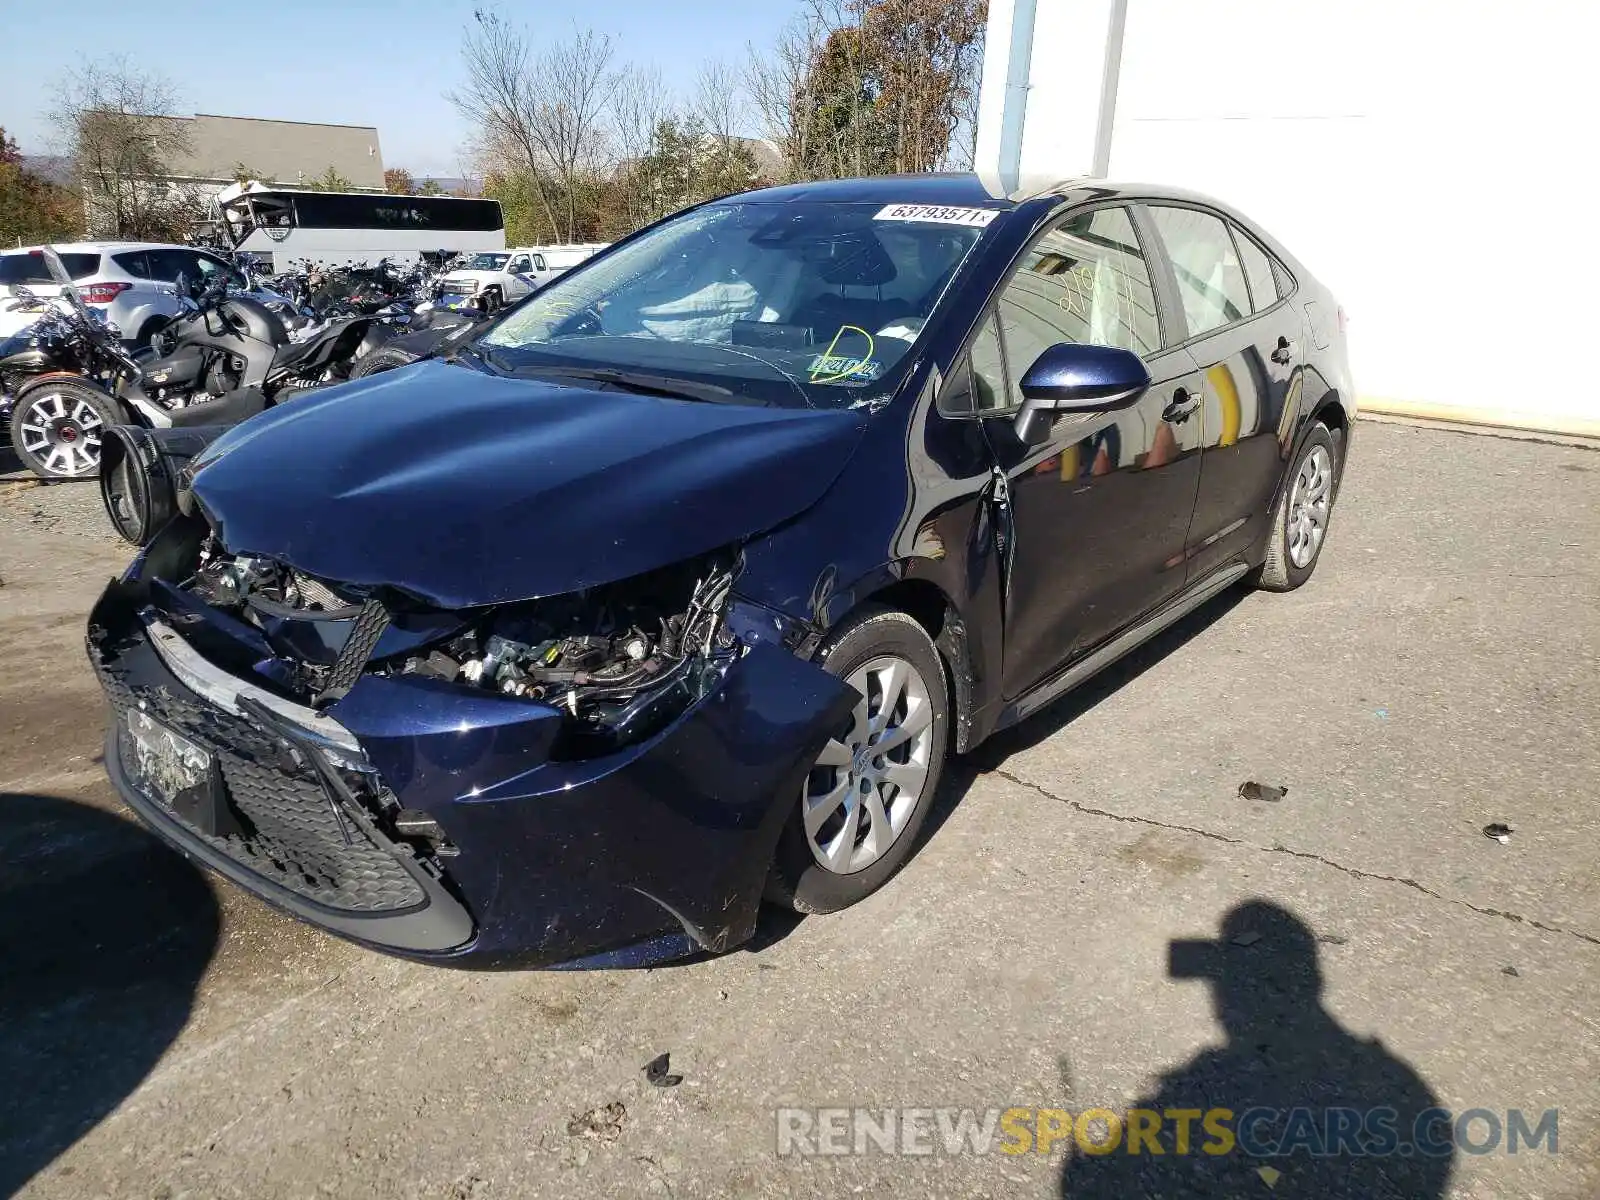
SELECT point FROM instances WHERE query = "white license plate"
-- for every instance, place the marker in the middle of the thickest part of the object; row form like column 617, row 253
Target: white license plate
column 164, row 763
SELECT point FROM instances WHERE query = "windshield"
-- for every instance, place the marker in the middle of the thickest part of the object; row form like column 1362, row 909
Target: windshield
column 815, row 300
column 485, row 262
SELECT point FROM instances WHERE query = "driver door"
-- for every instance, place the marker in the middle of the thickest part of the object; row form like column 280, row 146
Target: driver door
column 1100, row 508
column 518, row 268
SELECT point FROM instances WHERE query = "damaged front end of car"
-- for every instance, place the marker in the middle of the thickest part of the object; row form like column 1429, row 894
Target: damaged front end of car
column 596, row 777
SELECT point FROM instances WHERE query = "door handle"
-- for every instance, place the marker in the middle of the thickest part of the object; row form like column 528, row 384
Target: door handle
column 1182, row 406
column 1283, row 354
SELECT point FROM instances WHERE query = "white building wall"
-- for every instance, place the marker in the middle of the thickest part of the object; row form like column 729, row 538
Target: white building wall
column 1418, row 155
column 1431, row 160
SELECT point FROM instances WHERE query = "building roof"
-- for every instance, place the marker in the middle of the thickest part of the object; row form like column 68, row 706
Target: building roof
column 286, row 152
column 770, row 163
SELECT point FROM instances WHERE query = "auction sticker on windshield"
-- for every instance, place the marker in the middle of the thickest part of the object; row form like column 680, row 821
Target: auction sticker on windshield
column 940, row 214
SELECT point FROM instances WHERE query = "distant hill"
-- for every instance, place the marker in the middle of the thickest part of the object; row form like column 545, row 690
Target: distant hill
column 447, row 183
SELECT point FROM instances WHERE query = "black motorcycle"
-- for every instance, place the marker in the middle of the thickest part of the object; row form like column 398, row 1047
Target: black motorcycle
column 235, row 354
column 58, row 378
column 224, row 361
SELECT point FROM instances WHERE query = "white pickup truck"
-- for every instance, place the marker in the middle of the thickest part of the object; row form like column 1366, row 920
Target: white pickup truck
column 489, row 280
column 497, row 278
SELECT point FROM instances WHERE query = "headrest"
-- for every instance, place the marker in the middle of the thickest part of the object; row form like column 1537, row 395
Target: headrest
column 856, row 259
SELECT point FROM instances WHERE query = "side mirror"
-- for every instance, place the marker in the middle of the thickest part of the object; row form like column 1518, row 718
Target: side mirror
column 1075, row 378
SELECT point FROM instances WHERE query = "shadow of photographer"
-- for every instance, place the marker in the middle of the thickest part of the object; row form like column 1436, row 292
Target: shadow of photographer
column 1316, row 1111
column 106, row 934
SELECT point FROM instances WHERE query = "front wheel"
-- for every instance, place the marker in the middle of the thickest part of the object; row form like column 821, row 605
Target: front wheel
column 56, row 426
column 490, row 302
column 856, row 820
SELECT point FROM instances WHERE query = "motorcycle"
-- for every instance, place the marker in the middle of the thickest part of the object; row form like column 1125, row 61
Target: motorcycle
column 235, row 352
column 227, row 358
column 57, row 382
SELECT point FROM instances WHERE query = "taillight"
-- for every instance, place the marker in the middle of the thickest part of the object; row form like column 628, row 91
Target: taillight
column 1343, row 320
column 102, row 293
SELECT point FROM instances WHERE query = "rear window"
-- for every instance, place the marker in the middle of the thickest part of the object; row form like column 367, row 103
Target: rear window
column 31, row 269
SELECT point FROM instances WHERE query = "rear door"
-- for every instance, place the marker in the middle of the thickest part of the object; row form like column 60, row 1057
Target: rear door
column 1246, row 341
column 1100, row 509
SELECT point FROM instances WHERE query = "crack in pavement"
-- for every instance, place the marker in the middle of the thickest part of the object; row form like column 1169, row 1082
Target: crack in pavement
column 1280, row 848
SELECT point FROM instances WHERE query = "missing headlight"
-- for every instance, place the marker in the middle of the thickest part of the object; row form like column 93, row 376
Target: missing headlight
column 619, row 661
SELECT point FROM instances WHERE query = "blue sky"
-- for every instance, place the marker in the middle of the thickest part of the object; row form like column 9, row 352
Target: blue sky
column 386, row 63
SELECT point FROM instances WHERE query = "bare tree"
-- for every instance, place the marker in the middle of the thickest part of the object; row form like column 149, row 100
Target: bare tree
column 501, row 97
column 569, row 125
column 719, row 101
column 781, row 86
column 542, row 112
column 640, row 101
column 640, row 106
column 117, row 123
column 865, row 87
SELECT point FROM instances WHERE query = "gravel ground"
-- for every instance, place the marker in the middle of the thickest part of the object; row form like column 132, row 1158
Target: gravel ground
column 167, row 1036
column 72, row 510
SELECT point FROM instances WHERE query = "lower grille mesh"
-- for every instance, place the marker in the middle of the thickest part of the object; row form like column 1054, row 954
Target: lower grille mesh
column 291, row 836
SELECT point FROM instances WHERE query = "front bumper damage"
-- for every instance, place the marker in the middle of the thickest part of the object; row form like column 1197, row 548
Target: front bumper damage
column 640, row 855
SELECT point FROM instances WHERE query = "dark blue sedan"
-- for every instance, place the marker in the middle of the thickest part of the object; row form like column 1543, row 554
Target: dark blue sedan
column 674, row 589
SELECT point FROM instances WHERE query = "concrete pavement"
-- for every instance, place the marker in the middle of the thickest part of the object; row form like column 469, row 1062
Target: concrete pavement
column 167, row 1036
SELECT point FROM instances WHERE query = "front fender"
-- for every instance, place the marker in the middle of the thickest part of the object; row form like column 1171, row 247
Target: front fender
column 565, row 859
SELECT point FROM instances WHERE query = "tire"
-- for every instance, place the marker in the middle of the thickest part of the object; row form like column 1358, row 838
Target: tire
column 1310, row 487
column 867, row 647
column 56, row 426
column 491, row 301
column 384, row 358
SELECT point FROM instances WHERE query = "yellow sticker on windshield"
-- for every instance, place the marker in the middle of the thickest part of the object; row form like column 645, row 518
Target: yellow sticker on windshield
column 829, row 367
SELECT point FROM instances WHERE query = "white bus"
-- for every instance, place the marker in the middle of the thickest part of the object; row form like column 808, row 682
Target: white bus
column 284, row 225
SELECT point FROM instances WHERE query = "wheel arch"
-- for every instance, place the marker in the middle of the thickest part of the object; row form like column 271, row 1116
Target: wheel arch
column 906, row 586
column 1331, row 410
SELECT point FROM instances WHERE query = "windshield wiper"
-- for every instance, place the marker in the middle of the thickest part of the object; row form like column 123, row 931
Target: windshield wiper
column 638, row 381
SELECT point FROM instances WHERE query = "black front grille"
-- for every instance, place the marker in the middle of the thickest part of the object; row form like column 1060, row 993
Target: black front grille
column 291, row 835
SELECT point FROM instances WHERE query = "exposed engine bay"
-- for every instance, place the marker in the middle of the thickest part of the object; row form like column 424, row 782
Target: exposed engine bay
column 616, row 660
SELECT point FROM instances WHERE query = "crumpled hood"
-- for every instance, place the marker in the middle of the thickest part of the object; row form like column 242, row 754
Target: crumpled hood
column 466, row 489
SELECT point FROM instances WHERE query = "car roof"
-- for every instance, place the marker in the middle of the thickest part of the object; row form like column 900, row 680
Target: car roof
column 100, row 247
column 964, row 189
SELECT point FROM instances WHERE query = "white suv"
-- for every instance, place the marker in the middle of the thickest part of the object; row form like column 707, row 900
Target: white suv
column 134, row 283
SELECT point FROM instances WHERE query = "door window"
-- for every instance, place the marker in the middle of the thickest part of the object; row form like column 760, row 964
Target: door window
column 1257, row 269
column 167, row 265
column 134, row 263
column 210, row 267
column 1083, row 281
column 519, row 263
column 1210, row 280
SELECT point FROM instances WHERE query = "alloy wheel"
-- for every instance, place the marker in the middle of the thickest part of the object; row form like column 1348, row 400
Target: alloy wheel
column 1309, row 501
column 868, row 781
column 63, row 432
